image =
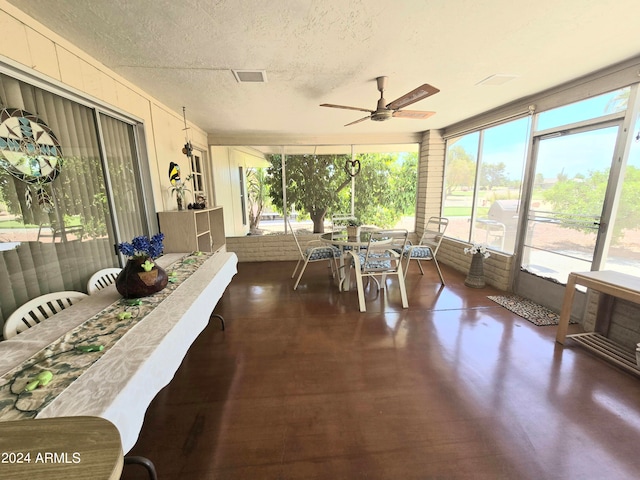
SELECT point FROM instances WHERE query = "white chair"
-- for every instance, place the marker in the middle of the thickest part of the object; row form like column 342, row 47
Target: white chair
column 38, row 310
column 101, row 279
column 339, row 221
column 315, row 251
column 428, row 246
column 380, row 259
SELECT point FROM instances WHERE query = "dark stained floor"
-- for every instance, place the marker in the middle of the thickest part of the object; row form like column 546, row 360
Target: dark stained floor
column 301, row 385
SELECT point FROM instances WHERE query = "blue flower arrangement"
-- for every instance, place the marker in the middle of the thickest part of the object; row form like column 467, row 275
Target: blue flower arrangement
column 143, row 247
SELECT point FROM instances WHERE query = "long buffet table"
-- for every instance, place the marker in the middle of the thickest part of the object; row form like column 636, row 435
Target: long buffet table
column 121, row 384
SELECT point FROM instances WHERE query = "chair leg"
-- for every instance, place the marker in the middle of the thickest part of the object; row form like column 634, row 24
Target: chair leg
column 304, row 267
column 439, row 271
column 357, row 268
column 295, row 269
column 406, row 266
column 403, row 289
column 218, row 317
column 420, row 265
column 145, row 462
column 361, row 303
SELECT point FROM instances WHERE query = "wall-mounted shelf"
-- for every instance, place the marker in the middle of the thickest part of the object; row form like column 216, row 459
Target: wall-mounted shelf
column 192, row 230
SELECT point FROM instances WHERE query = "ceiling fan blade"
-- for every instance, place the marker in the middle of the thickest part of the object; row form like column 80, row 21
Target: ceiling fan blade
column 415, row 114
column 413, row 96
column 358, row 121
column 348, row 108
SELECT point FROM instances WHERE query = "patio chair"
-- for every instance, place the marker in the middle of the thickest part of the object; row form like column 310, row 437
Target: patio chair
column 38, row 310
column 428, row 246
column 380, row 259
column 101, row 279
column 315, row 251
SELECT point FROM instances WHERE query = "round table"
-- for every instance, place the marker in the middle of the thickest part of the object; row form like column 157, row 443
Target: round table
column 340, row 239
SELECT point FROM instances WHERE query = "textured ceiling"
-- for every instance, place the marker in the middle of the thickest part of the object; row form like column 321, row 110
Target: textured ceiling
column 331, row 51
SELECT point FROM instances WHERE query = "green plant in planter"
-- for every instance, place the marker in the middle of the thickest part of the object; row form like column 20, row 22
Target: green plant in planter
column 180, row 190
column 354, row 222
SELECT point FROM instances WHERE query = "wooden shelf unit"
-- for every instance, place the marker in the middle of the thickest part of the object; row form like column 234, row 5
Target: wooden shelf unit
column 611, row 285
column 192, row 230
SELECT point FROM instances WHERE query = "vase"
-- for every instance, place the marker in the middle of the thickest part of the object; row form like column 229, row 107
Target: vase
column 353, row 232
column 135, row 282
column 180, row 202
column 475, row 277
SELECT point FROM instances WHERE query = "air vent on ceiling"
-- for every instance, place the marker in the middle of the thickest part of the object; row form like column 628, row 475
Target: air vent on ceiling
column 497, row 79
column 250, row 76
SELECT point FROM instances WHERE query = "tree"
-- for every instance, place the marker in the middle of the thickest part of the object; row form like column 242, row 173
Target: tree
column 584, row 196
column 460, row 169
column 313, row 184
column 385, row 188
column 257, row 195
column 493, row 175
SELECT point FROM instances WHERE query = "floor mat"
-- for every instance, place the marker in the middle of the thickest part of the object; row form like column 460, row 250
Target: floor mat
column 536, row 314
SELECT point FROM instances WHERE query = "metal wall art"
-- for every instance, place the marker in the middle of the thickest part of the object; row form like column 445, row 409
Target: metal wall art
column 29, row 151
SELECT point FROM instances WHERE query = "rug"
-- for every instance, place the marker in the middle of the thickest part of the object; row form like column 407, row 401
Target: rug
column 536, row 314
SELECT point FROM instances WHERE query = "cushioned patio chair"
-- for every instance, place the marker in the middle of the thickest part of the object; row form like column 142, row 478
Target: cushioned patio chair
column 314, row 251
column 380, row 259
column 428, row 246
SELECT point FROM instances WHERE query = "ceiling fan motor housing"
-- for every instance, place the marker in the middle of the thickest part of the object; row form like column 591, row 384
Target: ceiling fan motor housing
column 381, row 115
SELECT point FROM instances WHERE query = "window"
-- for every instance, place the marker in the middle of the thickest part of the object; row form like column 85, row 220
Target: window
column 624, row 251
column 55, row 234
column 483, row 184
column 378, row 183
column 197, row 176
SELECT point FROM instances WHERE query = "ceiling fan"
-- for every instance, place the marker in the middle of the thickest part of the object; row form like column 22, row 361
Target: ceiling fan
column 384, row 111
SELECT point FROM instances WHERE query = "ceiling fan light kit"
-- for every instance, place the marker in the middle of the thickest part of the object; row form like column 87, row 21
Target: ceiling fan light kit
column 385, row 111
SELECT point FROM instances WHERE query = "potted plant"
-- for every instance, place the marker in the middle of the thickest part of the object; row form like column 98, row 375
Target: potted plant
column 180, row 189
column 475, row 277
column 353, row 227
column 141, row 276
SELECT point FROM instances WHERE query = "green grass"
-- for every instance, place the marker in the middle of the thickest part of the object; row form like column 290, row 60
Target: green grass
column 16, row 224
column 463, row 211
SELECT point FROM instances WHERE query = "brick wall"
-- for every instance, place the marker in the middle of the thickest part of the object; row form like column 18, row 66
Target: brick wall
column 266, row 248
column 497, row 268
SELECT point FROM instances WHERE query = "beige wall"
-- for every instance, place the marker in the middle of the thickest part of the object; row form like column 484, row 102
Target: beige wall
column 34, row 49
column 226, row 178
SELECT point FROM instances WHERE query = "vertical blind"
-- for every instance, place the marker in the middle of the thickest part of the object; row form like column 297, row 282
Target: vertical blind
column 46, row 248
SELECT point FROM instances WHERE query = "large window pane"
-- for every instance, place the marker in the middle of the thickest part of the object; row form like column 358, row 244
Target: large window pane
column 571, row 175
column 500, row 174
column 624, row 252
column 385, row 188
column 459, row 181
column 123, row 177
column 377, row 183
column 607, row 103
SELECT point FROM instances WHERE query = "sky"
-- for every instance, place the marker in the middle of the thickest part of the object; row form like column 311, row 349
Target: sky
column 569, row 154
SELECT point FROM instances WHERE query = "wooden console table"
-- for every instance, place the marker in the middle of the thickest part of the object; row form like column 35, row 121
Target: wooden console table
column 611, row 285
column 64, row 448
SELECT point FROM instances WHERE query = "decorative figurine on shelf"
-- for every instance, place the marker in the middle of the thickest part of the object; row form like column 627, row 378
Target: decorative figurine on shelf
column 199, row 204
column 177, row 186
